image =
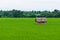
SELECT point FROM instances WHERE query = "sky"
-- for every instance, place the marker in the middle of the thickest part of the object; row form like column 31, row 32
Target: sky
column 28, row 5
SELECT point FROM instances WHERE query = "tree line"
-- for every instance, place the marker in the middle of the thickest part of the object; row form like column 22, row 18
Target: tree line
column 18, row 13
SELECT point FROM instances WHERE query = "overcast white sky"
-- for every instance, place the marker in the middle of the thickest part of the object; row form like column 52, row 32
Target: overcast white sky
column 29, row 4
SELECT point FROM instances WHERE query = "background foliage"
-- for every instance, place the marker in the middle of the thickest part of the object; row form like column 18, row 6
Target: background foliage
column 18, row 13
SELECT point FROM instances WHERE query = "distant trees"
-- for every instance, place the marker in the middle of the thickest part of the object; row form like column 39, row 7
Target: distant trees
column 18, row 13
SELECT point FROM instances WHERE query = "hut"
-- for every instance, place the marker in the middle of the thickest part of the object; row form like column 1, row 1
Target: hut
column 41, row 20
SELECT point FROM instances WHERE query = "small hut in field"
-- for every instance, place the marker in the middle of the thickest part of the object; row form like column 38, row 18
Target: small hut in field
column 41, row 19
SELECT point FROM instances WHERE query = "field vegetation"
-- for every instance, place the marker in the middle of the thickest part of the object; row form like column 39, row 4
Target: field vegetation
column 28, row 29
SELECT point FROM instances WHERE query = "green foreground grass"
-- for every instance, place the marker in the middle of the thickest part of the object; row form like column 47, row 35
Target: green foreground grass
column 28, row 29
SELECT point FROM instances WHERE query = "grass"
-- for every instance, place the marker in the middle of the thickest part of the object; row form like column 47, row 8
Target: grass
column 28, row 29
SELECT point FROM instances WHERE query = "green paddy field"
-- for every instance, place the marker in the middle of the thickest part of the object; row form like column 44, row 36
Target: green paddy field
column 28, row 29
